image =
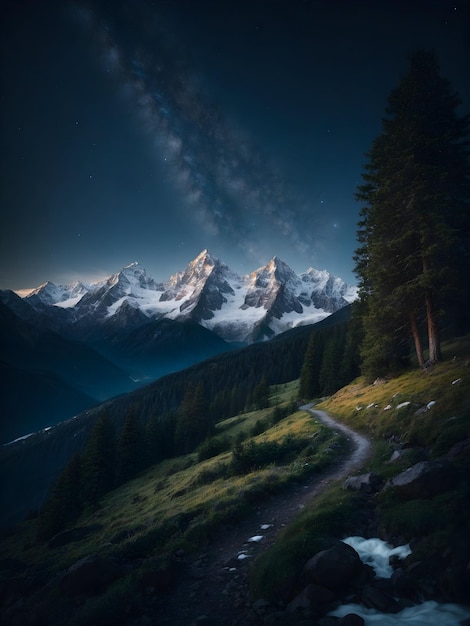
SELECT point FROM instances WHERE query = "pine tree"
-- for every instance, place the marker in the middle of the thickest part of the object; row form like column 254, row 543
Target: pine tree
column 64, row 504
column 131, row 454
column 309, row 386
column 416, row 193
column 98, row 461
column 193, row 422
column 261, row 394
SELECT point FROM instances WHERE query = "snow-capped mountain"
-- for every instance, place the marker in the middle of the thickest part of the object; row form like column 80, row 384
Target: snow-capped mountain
column 247, row 308
column 60, row 295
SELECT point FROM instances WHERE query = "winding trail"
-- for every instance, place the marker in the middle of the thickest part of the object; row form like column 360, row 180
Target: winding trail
column 215, row 583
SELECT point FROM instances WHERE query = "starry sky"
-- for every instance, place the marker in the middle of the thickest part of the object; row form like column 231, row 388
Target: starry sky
column 149, row 130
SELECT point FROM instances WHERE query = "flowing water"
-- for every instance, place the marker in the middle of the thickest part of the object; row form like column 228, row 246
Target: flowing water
column 376, row 553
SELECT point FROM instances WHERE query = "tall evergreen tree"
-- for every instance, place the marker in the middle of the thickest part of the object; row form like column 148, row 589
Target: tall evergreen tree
column 131, row 453
column 309, row 385
column 64, row 504
column 416, row 193
column 99, row 461
column 261, row 394
column 193, row 424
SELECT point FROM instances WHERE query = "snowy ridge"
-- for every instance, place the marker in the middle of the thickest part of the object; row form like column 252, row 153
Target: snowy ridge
column 247, row 308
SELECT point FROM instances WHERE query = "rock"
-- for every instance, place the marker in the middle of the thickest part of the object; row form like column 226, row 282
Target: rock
column 403, row 584
column 424, row 479
column 313, row 597
column 408, row 453
column 334, row 568
column 351, row 619
column 459, row 451
column 379, row 599
column 89, row 576
column 369, row 482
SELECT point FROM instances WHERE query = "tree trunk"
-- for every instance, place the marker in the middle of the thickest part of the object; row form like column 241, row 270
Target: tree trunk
column 417, row 340
column 433, row 332
column 434, row 342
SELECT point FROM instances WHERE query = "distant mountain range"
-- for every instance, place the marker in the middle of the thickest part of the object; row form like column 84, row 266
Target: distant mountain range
column 243, row 309
column 91, row 342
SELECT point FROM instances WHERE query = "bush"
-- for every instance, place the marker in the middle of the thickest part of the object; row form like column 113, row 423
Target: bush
column 213, row 446
column 251, row 456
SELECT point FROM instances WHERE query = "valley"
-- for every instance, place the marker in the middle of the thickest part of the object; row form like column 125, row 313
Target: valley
column 72, row 347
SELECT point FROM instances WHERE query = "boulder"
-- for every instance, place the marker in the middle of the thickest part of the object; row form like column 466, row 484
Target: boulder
column 424, row 479
column 313, row 597
column 369, row 482
column 89, row 576
column 334, row 568
column 459, row 451
column 351, row 619
column 378, row 599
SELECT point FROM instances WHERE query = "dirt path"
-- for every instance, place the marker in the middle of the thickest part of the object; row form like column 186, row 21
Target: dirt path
column 215, row 584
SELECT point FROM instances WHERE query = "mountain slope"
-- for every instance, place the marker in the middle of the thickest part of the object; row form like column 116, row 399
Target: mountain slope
column 48, row 400
column 46, row 374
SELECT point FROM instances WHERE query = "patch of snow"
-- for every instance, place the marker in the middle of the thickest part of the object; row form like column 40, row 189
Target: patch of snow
column 456, row 381
column 9, row 443
column 430, row 404
column 255, row 539
column 388, row 407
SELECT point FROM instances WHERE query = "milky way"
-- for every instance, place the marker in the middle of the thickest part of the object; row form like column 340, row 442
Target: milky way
column 232, row 189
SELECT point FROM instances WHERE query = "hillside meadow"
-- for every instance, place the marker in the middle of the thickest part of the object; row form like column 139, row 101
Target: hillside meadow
column 178, row 504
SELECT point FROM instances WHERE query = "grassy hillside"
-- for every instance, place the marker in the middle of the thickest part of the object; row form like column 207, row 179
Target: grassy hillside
column 177, row 504
column 423, row 412
column 180, row 502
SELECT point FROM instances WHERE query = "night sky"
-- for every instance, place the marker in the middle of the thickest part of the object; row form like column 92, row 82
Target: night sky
column 148, row 131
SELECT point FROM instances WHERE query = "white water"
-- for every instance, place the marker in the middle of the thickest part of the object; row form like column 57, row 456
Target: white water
column 376, row 553
column 427, row 614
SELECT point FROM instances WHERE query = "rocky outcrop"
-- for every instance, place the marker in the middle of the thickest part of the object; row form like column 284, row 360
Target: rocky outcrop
column 369, row 482
column 424, row 479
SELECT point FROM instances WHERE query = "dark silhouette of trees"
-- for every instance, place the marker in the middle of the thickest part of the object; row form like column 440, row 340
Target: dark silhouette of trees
column 65, row 503
column 309, row 385
column 98, row 474
column 261, row 394
column 131, row 455
column 416, row 193
column 193, row 424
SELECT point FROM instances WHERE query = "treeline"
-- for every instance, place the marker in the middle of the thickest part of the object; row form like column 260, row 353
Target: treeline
column 331, row 360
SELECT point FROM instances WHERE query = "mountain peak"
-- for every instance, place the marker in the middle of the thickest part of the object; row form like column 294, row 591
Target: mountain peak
column 205, row 257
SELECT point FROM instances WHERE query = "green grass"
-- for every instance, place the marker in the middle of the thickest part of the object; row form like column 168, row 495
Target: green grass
column 180, row 502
